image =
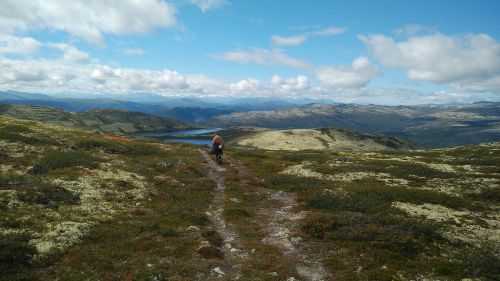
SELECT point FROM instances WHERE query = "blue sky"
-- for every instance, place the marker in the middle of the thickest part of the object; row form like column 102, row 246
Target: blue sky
column 386, row 52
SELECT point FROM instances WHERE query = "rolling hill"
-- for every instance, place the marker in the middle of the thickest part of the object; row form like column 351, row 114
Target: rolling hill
column 322, row 139
column 109, row 120
column 430, row 126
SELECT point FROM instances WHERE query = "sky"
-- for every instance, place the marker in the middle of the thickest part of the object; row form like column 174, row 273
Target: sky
column 382, row 52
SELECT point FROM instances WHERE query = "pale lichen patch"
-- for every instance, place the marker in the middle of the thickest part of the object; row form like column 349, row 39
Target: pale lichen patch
column 60, row 236
column 461, row 225
column 300, row 171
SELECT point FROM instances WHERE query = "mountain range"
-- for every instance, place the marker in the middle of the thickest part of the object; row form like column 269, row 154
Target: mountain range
column 426, row 125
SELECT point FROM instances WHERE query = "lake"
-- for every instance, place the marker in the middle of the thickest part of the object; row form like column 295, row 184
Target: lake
column 167, row 136
column 179, row 133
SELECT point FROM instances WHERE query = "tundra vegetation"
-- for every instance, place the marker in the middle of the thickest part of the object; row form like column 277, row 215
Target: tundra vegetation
column 75, row 205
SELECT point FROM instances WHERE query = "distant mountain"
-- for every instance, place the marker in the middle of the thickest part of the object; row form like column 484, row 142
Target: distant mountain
column 109, row 120
column 431, row 126
column 77, row 104
column 188, row 109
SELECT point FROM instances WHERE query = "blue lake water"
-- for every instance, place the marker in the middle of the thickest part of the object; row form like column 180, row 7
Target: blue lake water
column 191, row 141
column 181, row 133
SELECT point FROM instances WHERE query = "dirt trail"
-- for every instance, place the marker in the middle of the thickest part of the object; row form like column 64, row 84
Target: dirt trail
column 234, row 252
column 279, row 221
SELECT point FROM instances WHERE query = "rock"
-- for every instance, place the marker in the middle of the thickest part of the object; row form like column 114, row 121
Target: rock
column 210, row 252
column 235, row 250
column 297, row 240
column 218, row 271
column 275, row 274
column 235, row 200
column 228, row 246
column 193, row 228
column 37, row 169
column 292, row 279
column 238, row 266
column 165, row 164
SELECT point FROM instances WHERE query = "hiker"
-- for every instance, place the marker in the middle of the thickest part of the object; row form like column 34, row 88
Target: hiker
column 217, row 145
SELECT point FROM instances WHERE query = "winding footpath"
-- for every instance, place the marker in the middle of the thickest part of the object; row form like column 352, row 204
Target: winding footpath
column 232, row 248
column 279, row 221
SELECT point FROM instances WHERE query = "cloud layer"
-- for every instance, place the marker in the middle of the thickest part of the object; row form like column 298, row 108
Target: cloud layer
column 262, row 56
column 358, row 75
column 470, row 62
column 88, row 20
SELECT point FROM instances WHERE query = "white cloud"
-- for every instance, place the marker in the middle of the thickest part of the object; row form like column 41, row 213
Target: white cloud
column 289, row 41
column 246, row 85
column 469, row 62
column 18, row 45
column 86, row 19
column 291, row 85
column 206, row 5
column 263, row 56
column 70, row 52
column 133, row 52
column 358, row 75
column 330, row 31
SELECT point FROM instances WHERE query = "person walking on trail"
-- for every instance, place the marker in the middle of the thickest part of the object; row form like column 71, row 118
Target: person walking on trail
column 217, row 145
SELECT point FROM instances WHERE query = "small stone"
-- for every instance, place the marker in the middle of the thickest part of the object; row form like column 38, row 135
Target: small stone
column 208, row 214
column 291, row 279
column 218, row 271
column 275, row 274
column 228, row 246
column 149, row 265
column 235, row 250
column 297, row 240
column 235, row 200
column 37, row 169
column 193, row 228
column 253, row 251
column 238, row 266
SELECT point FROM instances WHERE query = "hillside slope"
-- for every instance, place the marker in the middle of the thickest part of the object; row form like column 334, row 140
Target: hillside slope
column 321, row 139
column 430, row 126
column 109, row 120
column 79, row 206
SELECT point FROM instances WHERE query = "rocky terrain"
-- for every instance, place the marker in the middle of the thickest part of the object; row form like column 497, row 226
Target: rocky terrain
column 430, row 126
column 109, row 120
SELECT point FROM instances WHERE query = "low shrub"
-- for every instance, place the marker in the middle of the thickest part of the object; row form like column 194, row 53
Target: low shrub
column 104, row 144
column 235, row 214
column 64, row 159
column 15, row 251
